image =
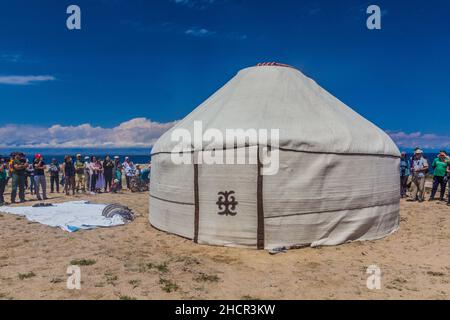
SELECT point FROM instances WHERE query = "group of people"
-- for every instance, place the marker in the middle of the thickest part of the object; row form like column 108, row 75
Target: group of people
column 88, row 174
column 413, row 174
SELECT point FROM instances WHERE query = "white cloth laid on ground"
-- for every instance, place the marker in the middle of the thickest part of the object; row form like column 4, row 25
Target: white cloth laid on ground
column 69, row 216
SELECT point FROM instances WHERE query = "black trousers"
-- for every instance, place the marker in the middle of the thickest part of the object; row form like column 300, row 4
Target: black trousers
column 403, row 185
column 93, row 181
column 18, row 182
column 54, row 180
column 108, row 181
column 438, row 181
column 2, row 189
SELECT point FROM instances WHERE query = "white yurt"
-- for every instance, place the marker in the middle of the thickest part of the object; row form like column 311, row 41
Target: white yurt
column 336, row 176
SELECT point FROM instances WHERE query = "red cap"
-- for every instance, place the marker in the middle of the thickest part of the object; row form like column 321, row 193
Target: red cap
column 37, row 156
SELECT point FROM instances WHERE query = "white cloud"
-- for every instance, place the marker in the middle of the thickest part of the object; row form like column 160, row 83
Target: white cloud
column 10, row 57
column 24, row 80
column 197, row 4
column 138, row 132
column 143, row 133
column 419, row 139
column 199, row 32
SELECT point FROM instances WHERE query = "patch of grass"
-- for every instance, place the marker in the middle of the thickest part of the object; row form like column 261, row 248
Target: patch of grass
column 168, row 285
column 400, row 280
column 4, row 296
column 82, row 262
column 111, row 278
column 56, row 280
column 187, row 260
column 135, row 283
column 435, row 274
column 23, row 276
column 203, row 277
column 126, row 298
column 160, row 267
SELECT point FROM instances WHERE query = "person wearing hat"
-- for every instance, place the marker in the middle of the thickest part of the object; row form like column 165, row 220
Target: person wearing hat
column 440, row 175
column 39, row 177
column 130, row 171
column 404, row 174
column 419, row 170
column 80, row 168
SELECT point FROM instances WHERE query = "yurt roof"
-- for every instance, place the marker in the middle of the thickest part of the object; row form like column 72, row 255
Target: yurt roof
column 277, row 96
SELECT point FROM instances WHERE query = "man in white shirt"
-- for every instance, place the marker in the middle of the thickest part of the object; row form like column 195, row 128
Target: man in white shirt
column 419, row 171
column 130, row 171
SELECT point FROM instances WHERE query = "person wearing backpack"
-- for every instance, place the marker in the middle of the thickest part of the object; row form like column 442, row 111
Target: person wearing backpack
column 54, row 171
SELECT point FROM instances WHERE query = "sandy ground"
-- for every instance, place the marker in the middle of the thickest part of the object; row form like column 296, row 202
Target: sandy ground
column 138, row 262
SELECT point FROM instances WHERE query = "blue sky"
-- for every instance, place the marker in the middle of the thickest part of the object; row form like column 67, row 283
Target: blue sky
column 144, row 64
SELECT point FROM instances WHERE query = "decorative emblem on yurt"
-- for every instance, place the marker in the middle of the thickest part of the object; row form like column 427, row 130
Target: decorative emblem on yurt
column 227, row 203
